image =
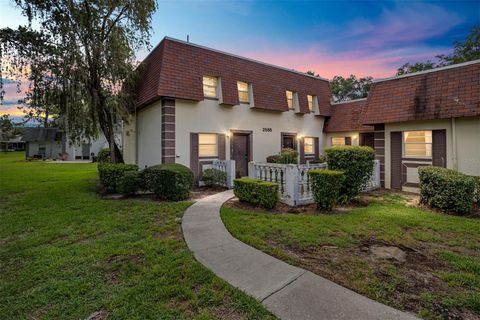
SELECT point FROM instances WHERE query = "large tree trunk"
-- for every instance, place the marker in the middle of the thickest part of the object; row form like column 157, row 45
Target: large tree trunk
column 107, row 126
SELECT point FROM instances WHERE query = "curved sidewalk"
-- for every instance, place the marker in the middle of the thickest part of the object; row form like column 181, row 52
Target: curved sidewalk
column 287, row 291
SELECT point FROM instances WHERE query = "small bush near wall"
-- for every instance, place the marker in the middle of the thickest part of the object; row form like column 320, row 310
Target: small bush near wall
column 171, row 181
column 110, row 174
column 321, row 159
column 287, row 156
column 476, row 195
column 356, row 164
column 129, row 183
column 326, row 185
column 273, row 159
column 103, row 156
column 257, row 192
column 446, row 189
column 214, row 178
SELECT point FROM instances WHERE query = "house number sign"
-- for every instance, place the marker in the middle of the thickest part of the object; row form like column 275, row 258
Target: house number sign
column 267, row 130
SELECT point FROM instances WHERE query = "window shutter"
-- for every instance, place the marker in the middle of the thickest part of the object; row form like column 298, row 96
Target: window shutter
column 316, row 141
column 221, row 146
column 194, row 154
column 396, row 160
column 348, row 141
column 439, row 148
column 302, row 151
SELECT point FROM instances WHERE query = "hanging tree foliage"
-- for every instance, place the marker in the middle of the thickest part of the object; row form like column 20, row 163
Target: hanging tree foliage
column 79, row 61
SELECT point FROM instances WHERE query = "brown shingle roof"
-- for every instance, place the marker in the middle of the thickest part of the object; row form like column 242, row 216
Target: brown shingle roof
column 347, row 116
column 453, row 91
column 175, row 69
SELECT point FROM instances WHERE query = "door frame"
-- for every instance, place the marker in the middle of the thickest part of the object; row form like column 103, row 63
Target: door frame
column 248, row 133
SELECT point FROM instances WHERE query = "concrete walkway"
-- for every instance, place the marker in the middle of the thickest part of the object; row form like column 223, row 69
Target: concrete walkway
column 287, row 291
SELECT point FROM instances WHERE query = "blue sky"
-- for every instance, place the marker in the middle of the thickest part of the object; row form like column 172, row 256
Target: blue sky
column 330, row 37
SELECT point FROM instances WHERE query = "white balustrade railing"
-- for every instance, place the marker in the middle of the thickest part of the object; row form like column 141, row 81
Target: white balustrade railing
column 227, row 166
column 294, row 181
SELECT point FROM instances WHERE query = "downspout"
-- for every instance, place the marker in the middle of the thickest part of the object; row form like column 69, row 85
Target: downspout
column 454, row 145
column 136, row 137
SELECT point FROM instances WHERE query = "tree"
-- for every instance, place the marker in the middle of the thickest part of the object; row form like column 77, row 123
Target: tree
column 344, row 89
column 6, row 124
column 312, row 73
column 418, row 66
column 467, row 50
column 81, row 60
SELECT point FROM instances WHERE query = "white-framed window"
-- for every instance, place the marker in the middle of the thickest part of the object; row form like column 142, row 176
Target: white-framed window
column 309, row 145
column 210, row 87
column 290, row 99
column 338, row 141
column 207, row 145
column 310, row 102
column 243, row 92
column 417, row 144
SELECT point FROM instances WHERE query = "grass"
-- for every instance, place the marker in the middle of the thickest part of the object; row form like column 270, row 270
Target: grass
column 66, row 254
column 442, row 270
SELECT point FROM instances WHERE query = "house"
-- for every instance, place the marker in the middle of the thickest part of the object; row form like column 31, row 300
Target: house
column 195, row 104
column 43, row 143
column 53, row 143
column 345, row 125
column 426, row 118
column 11, row 142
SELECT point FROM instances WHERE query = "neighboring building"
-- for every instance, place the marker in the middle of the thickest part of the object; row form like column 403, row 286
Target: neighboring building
column 196, row 104
column 52, row 143
column 345, row 125
column 10, row 142
column 426, row 118
column 43, row 143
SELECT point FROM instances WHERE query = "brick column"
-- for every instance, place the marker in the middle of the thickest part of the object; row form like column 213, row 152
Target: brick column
column 379, row 143
column 168, row 131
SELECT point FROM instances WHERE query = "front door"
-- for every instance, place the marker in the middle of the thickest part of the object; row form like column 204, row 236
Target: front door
column 86, row 151
column 241, row 153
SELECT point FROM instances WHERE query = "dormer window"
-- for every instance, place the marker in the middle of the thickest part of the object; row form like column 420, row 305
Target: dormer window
column 243, row 92
column 290, row 100
column 310, row 102
column 210, row 87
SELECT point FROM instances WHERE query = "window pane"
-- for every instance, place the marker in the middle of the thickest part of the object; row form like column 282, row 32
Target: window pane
column 242, row 86
column 310, row 102
column 207, row 138
column 418, row 150
column 308, row 145
column 207, row 150
column 289, row 95
column 210, row 86
column 243, row 96
column 340, row 141
column 418, row 136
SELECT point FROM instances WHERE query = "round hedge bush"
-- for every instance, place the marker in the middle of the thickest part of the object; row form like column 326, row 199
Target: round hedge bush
column 103, row 156
column 171, row 181
column 326, row 185
column 129, row 183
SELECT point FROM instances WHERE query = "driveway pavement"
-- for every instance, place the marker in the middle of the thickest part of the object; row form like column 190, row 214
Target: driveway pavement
column 287, row 291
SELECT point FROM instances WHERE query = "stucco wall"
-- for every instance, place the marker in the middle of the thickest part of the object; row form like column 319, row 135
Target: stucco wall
column 129, row 139
column 75, row 149
column 52, row 149
column 208, row 116
column 468, row 145
column 353, row 134
column 467, row 142
column 149, row 134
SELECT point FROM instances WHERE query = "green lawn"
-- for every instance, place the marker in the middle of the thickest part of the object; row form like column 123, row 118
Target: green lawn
column 65, row 254
column 441, row 274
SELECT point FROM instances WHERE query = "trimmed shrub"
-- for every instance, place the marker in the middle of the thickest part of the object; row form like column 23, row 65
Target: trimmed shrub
column 103, row 156
column 476, row 195
column 171, row 181
column 110, row 174
column 257, row 192
column 129, row 183
column 321, row 159
column 214, row 178
column 287, row 156
column 326, row 185
column 273, row 158
column 356, row 163
column 446, row 189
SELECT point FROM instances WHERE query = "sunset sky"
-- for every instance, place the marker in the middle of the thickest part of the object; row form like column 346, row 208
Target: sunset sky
column 365, row 38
